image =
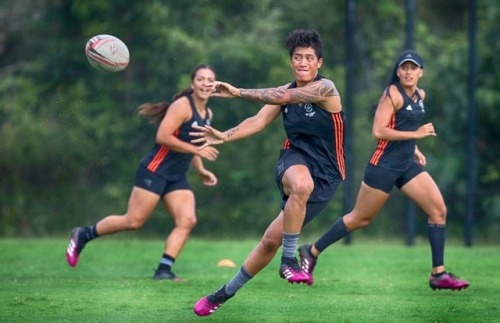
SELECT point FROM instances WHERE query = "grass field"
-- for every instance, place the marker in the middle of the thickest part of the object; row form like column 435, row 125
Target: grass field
column 364, row 282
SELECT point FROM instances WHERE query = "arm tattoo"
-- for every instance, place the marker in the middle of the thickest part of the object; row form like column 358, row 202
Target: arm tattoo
column 313, row 92
column 230, row 133
column 269, row 96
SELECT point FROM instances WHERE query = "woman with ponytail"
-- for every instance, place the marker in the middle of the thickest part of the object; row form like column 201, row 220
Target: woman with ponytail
column 161, row 175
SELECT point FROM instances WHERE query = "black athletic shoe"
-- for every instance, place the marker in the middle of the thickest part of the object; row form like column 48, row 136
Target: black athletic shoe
column 164, row 274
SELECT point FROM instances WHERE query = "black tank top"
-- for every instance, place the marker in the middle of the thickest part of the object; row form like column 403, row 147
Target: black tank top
column 169, row 164
column 318, row 135
column 398, row 155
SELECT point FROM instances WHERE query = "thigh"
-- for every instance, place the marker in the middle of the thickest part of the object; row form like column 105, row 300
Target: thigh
column 291, row 168
column 413, row 170
column 295, row 178
column 368, row 203
column 425, row 193
column 180, row 203
column 141, row 204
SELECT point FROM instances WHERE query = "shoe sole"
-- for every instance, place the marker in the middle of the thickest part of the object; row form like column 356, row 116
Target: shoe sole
column 434, row 288
column 299, row 281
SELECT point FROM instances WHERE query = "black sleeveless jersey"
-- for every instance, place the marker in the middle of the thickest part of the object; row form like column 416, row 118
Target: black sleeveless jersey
column 398, row 155
column 173, row 165
column 318, row 135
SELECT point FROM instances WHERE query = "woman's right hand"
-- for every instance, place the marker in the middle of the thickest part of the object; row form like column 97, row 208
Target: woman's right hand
column 426, row 130
column 208, row 135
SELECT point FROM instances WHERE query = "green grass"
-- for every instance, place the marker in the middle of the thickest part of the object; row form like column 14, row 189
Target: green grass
column 364, row 282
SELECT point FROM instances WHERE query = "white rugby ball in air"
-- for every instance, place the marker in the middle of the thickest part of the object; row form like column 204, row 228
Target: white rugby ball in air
column 107, row 53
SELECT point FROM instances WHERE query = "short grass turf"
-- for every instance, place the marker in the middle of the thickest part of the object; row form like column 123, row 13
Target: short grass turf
column 368, row 281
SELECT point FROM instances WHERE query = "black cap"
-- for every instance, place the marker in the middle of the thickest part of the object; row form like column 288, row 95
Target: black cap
column 410, row 56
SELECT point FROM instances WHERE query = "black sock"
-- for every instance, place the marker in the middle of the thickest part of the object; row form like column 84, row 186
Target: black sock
column 438, row 274
column 337, row 231
column 91, row 232
column 166, row 262
column 436, row 235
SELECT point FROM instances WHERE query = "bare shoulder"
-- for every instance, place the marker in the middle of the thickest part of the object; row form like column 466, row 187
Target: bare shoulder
column 329, row 97
column 329, row 86
column 394, row 96
column 422, row 93
column 180, row 109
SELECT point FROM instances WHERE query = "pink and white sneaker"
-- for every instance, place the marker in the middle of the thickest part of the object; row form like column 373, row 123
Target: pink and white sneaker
column 207, row 305
column 76, row 244
column 292, row 272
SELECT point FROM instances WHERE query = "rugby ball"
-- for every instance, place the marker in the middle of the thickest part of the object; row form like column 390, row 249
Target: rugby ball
column 107, row 53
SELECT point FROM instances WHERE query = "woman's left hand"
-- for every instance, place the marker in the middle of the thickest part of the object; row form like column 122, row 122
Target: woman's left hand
column 420, row 158
column 208, row 178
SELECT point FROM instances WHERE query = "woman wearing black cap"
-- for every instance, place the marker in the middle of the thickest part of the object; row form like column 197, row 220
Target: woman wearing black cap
column 398, row 162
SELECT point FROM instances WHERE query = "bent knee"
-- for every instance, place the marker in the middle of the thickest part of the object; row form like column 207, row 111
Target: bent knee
column 438, row 215
column 187, row 223
column 302, row 190
column 134, row 224
column 355, row 222
column 270, row 243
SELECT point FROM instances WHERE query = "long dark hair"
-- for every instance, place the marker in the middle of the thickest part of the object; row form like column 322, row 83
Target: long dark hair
column 155, row 112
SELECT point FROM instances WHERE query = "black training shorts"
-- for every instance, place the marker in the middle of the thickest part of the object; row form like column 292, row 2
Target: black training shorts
column 157, row 184
column 384, row 179
column 323, row 190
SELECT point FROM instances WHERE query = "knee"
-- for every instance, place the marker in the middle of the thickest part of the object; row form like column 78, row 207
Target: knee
column 270, row 243
column 133, row 223
column 363, row 223
column 354, row 221
column 302, row 190
column 187, row 223
column 439, row 214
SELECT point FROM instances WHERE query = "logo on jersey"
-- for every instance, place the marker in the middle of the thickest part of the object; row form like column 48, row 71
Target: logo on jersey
column 195, row 123
column 286, row 110
column 309, row 110
column 421, row 104
column 409, row 108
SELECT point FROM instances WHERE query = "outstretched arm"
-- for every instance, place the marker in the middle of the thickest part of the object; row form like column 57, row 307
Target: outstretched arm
column 323, row 92
column 250, row 126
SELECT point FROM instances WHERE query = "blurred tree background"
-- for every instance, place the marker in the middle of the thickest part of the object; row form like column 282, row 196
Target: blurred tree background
column 70, row 138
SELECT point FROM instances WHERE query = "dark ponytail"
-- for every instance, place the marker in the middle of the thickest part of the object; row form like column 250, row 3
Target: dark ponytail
column 153, row 111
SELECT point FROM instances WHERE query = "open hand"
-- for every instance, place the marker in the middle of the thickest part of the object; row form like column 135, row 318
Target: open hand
column 208, row 135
